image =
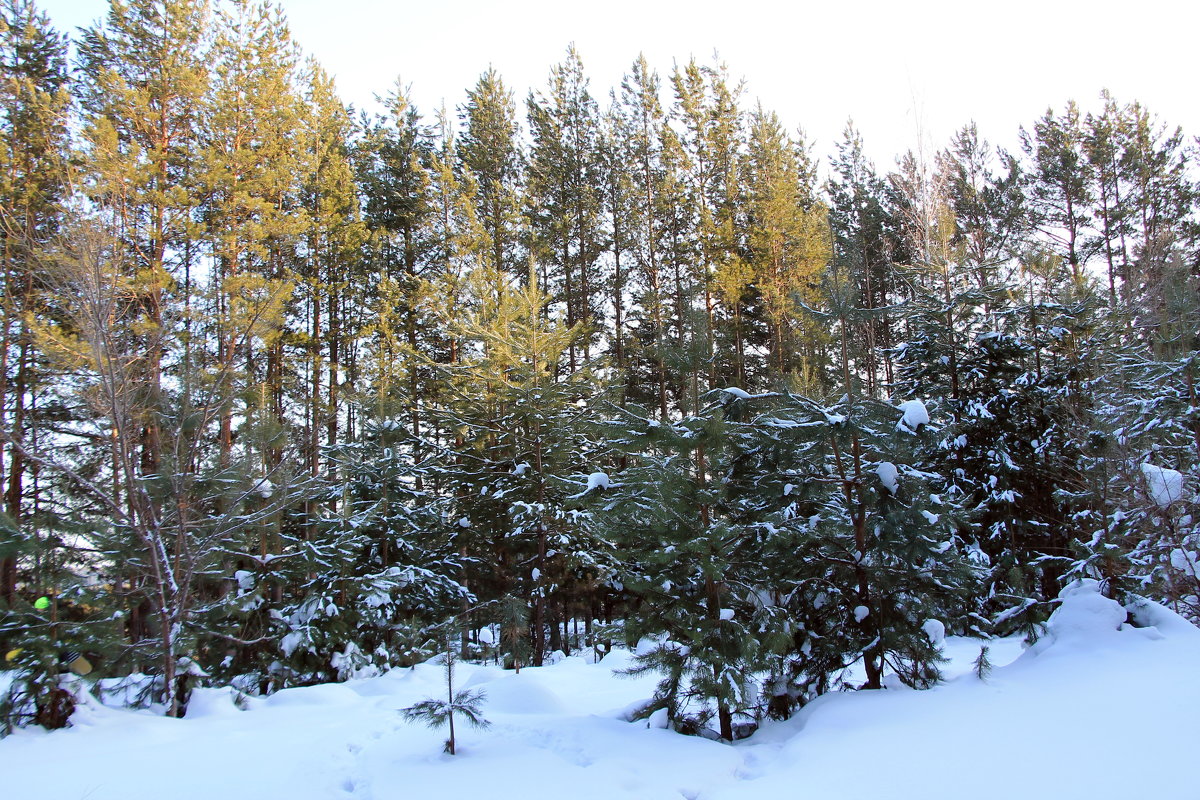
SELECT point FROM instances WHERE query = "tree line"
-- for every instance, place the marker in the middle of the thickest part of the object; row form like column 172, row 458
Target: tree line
column 284, row 388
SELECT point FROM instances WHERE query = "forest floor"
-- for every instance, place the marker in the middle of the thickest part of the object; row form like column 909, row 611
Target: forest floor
column 1090, row 711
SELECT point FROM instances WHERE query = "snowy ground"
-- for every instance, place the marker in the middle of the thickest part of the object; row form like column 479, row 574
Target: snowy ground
column 1089, row 712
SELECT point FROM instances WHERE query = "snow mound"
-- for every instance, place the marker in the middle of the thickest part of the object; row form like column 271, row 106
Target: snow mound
column 323, row 694
column 659, row 719
column 935, row 630
column 521, row 694
column 480, row 676
column 1164, row 486
column 597, row 480
column 1149, row 614
column 616, row 660
column 1084, row 617
column 217, row 702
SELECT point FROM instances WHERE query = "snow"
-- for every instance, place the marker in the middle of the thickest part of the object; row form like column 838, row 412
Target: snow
column 1186, row 561
column 861, row 613
column 740, row 394
column 212, row 703
column 245, row 580
column 726, row 614
column 1043, row 723
column 914, row 415
column 1084, row 617
column 597, row 480
column 888, row 476
column 659, row 719
column 935, row 630
column 1164, row 486
column 516, row 693
column 645, row 646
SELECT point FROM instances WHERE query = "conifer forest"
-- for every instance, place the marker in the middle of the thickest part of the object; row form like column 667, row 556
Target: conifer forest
column 291, row 393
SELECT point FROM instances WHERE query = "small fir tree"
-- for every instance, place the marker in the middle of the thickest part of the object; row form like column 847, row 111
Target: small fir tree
column 466, row 703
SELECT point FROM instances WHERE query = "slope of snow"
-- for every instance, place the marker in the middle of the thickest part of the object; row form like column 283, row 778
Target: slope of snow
column 1097, row 709
column 1094, row 710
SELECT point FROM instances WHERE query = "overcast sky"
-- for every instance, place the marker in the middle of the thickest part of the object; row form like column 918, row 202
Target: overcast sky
column 895, row 67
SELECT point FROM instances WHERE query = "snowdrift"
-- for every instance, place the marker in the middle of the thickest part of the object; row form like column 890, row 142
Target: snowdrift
column 1104, row 705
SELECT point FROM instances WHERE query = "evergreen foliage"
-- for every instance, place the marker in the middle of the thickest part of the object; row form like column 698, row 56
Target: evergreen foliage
column 687, row 529
column 438, row 713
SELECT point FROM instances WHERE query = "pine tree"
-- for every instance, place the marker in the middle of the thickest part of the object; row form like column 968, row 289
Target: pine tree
column 465, row 703
column 972, row 365
column 879, row 551
column 1023, row 393
column 330, row 266
column 168, row 530
column 394, row 163
column 34, row 106
column 710, row 136
column 490, row 150
column 1160, row 199
column 248, row 162
column 618, row 204
column 514, row 631
column 685, row 343
column 861, row 273
column 563, row 198
column 1103, row 145
column 1059, row 190
column 875, row 507
column 638, row 123
column 691, row 553
column 517, row 435
column 377, row 569
column 145, row 81
column 987, row 202
column 1141, row 456
column 788, row 247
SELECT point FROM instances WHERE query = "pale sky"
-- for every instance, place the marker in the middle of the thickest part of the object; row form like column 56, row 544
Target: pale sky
column 895, row 67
